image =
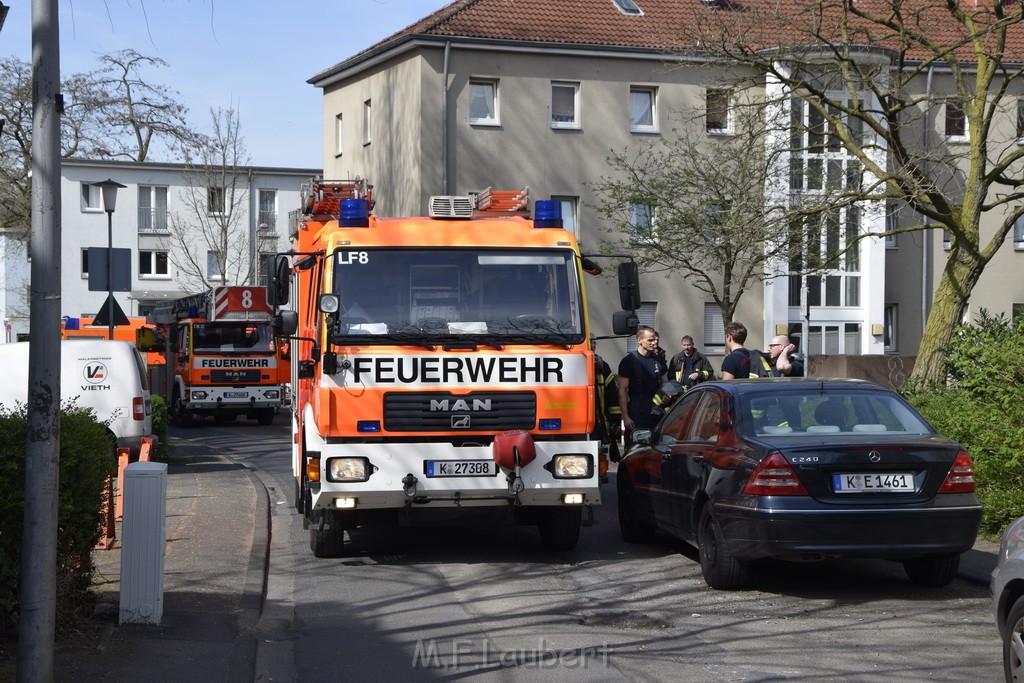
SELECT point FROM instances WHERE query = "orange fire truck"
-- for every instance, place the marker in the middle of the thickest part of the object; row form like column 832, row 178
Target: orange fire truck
column 226, row 360
column 441, row 364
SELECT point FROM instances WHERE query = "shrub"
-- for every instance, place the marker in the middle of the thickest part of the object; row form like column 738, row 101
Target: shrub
column 161, row 421
column 86, row 459
column 981, row 408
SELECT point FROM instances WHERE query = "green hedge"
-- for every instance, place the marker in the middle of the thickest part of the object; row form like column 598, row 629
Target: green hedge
column 161, row 421
column 86, row 458
column 981, row 406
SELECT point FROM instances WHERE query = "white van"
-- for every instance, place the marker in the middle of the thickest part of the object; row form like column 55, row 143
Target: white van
column 107, row 376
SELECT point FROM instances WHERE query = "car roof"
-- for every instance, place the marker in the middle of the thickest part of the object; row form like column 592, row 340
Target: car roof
column 776, row 385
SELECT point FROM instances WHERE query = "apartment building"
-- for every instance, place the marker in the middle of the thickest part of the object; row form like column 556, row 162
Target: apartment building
column 537, row 93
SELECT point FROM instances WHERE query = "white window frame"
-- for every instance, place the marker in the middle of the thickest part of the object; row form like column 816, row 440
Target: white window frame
column 488, row 89
column 643, row 218
column 150, row 221
column 152, row 257
column 570, row 213
column 92, row 198
column 338, row 136
column 574, row 123
column 890, row 224
column 367, row 122
column 264, row 215
column 954, row 137
column 1018, row 234
column 715, row 129
column 651, row 109
column 213, row 267
column 714, row 329
column 211, row 199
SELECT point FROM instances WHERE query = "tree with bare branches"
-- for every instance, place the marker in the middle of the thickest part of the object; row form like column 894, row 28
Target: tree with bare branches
column 877, row 77
column 212, row 242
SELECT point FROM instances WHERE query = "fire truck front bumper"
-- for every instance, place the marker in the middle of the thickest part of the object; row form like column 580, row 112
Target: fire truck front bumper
column 239, row 398
column 389, row 475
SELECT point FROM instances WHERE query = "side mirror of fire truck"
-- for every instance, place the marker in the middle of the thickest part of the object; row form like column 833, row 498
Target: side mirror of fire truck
column 280, row 272
column 629, row 286
column 286, row 323
column 625, row 322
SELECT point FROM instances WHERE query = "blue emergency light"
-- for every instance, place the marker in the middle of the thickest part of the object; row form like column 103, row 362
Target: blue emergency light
column 355, row 213
column 71, row 323
column 548, row 214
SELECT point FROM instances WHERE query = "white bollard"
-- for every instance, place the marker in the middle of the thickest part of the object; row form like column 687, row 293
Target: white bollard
column 143, row 543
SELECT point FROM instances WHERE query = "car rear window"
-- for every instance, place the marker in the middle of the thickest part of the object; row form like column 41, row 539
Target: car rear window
column 140, row 366
column 831, row 412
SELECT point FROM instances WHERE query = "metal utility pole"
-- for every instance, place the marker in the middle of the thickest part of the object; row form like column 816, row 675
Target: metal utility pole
column 42, row 448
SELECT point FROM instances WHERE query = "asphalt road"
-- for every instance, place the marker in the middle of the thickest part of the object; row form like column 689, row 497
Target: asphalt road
column 468, row 603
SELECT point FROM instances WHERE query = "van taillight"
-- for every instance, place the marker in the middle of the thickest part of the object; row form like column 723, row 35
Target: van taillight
column 138, row 408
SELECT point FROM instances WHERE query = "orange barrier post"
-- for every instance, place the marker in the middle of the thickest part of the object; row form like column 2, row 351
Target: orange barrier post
column 123, row 458
column 106, row 541
column 147, row 446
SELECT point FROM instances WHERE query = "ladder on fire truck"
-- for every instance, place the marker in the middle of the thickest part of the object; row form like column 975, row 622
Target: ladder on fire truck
column 323, row 197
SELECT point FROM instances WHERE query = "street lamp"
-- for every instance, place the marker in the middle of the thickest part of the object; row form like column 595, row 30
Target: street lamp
column 109, row 189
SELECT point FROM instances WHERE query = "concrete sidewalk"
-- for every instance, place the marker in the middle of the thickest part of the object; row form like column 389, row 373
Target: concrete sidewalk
column 218, row 530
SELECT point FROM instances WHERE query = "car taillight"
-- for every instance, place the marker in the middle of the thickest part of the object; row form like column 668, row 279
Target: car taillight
column 138, row 408
column 774, row 476
column 961, row 475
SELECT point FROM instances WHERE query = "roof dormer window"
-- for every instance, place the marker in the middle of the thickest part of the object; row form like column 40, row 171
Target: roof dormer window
column 628, row 7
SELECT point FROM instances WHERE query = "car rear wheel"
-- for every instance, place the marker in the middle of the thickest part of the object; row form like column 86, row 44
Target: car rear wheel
column 631, row 527
column 933, row 571
column 1013, row 644
column 559, row 527
column 328, row 539
column 720, row 568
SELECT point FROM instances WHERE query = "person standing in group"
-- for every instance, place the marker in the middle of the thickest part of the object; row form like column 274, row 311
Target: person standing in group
column 641, row 374
column 737, row 363
column 783, row 359
column 689, row 366
column 608, row 423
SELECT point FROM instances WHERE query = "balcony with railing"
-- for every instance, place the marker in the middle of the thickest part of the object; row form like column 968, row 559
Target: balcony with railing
column 153, row 220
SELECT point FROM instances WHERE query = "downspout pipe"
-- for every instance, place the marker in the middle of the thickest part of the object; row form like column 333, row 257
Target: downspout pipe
column 444, row 117
column 926, row 243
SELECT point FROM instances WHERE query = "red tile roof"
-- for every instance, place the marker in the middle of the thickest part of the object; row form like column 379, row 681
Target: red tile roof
column 697, row 25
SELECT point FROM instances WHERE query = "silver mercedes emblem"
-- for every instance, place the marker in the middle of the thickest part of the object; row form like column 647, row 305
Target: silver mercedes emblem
column 875, row 456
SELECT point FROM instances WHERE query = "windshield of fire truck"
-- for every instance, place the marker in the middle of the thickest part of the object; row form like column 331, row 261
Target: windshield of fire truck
column 232, row 337
column 495, row 296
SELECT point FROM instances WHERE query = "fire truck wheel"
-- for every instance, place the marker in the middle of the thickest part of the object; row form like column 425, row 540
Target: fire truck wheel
column 265, row 416
column 182, row 417
column 560, row 527
column 330, row 540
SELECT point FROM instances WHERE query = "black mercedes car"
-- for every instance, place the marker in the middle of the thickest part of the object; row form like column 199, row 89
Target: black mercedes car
column 800, row 469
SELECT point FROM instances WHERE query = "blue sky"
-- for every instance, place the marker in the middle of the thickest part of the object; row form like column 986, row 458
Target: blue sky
column 254, row 55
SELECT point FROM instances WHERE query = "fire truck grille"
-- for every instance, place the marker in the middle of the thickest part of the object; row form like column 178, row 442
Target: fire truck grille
column 235, row 376
column 446, row 412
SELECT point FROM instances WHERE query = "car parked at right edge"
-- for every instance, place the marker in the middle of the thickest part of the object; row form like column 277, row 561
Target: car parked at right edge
column 1008, row 599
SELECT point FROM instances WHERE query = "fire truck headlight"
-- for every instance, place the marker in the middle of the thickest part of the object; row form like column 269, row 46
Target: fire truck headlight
column 572, row 466
column 272, row 393
column 348, row 469
column 329, row 303
column 199, row 395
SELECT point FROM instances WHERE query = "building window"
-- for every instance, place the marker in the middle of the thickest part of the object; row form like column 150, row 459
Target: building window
column 565, row 105
column 152, row 208
column 947, row 240
column 215, row 201
column 889, row 328
column 483, row 103
column 955, row 120
column 337, row 136
column 714, row 329
column 814, row 243
column 261, row 268
column 718, row 109
column 641, row 222
column 890, row 225
column 642, row 115
column 1018, row 233
column 267, row 221
column 829, row 339
column 1017, row 311
column 628, row 7
column 92, row 197
column 153, row 264
column 367, row 121
column 213, row 266
column 570, row 207
column 85, row 262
